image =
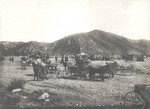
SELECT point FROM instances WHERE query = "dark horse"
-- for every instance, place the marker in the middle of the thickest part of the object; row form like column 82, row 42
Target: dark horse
column 39, row 71
column 109, row 68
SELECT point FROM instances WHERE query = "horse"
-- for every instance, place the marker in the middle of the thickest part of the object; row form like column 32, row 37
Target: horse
column 113, row 67
column 108, row 68
column 39, row 71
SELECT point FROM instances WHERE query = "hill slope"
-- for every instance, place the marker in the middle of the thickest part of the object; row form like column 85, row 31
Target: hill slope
column 98, row 41
column 95, row 41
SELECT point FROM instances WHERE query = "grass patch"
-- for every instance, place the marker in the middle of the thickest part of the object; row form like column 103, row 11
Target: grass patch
column 16, row 83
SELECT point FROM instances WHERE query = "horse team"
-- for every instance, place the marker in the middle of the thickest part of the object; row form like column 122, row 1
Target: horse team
column 83, row 64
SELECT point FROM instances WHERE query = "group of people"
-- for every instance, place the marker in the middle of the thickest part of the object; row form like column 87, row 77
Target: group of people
column 41, row 64
column 63, row 58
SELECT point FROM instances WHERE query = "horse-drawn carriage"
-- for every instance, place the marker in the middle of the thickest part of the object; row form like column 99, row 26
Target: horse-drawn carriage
column 85, row 67
column 79, row 66
column 102, row 70
column 139, row 98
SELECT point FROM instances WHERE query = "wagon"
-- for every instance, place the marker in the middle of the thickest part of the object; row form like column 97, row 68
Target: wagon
column 74, row 70
column 79, row 67
column 126, row 70
column 50, row 68
column 139, row 98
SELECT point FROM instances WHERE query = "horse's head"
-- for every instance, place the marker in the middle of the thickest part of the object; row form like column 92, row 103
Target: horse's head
column 114, row 65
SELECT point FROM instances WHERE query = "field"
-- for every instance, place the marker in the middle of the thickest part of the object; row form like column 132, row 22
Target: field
column 65, row 92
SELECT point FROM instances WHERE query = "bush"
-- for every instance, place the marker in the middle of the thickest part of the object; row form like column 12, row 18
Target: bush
column 7, row 98
column 16, row 83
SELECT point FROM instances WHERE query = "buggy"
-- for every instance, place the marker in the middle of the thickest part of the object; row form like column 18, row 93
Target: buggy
column 52, row 67
column 139, row 98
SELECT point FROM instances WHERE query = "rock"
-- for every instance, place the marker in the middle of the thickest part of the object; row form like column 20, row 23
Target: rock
column 21, row 107
column 44, row 96
column 24, row 97
column 16, row 90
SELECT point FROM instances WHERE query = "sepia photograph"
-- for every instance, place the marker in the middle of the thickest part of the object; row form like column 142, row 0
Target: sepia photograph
column 74, row 54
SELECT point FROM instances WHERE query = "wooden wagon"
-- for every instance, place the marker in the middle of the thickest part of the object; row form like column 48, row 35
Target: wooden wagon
column 51, row 68
column 126, row 70
column 139, row 98
column 75, row 70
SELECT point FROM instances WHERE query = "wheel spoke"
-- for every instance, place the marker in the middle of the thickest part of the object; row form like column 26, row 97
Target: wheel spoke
column 132, row 98
column 128, row 99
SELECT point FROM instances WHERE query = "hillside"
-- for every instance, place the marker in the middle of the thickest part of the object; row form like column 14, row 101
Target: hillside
column 95, row 41
column 22, row 48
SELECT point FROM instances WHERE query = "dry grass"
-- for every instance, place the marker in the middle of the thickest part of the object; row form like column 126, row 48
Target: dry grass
column 73, row 92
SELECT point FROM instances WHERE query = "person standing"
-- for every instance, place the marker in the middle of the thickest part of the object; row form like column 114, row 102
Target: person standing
column 12, row 59
column 56, row 57
column 66, row 58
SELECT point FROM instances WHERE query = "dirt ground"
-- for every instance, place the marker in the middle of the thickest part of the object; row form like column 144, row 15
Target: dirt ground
column 66, row 91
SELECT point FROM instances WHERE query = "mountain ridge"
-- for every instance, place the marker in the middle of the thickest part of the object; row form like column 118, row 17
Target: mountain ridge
column 95, row 41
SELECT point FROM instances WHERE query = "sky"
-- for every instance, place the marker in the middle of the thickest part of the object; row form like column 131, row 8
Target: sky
column 51, row 20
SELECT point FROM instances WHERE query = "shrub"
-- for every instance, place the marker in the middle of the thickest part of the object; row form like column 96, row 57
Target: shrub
column 16, row 83
column 7, row 98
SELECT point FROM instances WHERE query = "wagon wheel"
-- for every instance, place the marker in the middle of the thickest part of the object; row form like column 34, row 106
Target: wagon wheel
column 130, row 72
column 84, row 74
column 123, row 72
column 133, row 99
column 126, row 72
column 80, row 72
column 70, row 70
